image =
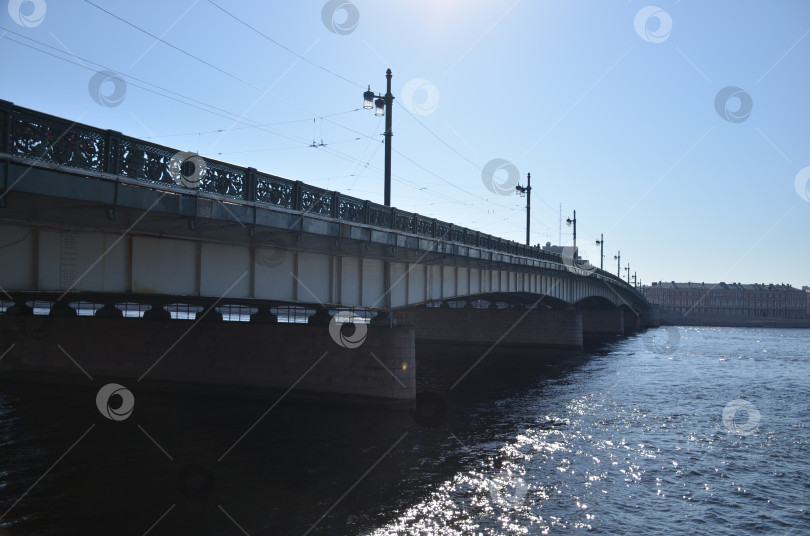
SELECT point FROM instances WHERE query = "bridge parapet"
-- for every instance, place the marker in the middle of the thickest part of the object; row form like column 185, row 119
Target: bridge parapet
column 31, row 135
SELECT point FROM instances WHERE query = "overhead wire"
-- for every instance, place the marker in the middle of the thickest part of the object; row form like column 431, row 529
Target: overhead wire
column 201, row 107
column 276, row 96
column 294, row 53
column 218, row 130
column 256, row 125
column 214, row 110
column 446, row 144
column 204, row 62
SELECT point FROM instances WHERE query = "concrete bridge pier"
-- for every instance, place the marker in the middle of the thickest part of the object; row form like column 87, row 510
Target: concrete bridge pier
column 651, row 318
column 257, row 357
column 632, row 321
column 553, row 328
column 599, row 325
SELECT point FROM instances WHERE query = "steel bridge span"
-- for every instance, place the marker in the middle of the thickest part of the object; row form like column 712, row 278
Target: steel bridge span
column 90, row 215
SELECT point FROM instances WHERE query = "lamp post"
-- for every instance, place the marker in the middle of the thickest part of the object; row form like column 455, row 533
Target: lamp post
column 601, row 244
column 386, row 101
column 569, row 221
column 526, row 191
column 618, row 265
column 627, row 269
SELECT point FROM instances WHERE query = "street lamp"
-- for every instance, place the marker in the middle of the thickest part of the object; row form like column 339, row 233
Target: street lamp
column 627, row 269
column 618, row 264
column 569, row 221
column 382, row 106
column 527, row 193
column 601, row 244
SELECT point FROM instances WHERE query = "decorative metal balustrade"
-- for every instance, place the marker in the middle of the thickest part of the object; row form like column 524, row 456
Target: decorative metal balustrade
column 34, row 135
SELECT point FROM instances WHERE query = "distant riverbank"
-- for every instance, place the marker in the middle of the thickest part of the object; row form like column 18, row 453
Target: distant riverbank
column 671, row 318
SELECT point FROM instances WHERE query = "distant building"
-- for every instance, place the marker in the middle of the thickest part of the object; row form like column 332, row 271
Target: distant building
column 807, row 295
column 554, row 249
column 730, row 300
column 565, row 251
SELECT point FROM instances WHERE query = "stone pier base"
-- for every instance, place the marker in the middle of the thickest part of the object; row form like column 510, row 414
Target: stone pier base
column 234, row 354
column 600, row 325
column 632, row 321
column 507, row 327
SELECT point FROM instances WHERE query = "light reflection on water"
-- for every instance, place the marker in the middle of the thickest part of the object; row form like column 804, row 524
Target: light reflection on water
column 637, row 445
column 627, row 439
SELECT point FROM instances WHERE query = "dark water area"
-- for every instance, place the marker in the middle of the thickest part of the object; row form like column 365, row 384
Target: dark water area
column 675, row 431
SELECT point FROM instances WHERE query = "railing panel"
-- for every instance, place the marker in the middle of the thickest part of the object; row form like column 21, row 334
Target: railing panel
column 424, row 226
column 316, row 200
column 379, row 215
column 275, row 191
column 404, row 222
column 442, row 230
column 351, row 209
column 224, row 179
column 5, row 127
column 145, row 161
column 60, row 142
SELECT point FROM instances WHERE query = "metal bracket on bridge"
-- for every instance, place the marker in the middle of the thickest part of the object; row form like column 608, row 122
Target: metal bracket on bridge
column 111, row 212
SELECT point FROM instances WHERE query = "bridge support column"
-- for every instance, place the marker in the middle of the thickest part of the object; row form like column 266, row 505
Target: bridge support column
column 209, row 315
column 511, row 327
column 600, row 325
column 62, row 309
column 651, row 318
column 109, row 311
column 632, row 321
column 19, row 308
column 320, row 318
column 157, row 312
column 239, row 356
column 263, row 316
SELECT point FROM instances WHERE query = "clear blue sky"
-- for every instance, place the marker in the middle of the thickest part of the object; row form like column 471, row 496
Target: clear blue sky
column 614, row 117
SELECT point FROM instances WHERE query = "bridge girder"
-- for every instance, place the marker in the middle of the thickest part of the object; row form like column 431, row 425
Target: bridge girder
column 59, row 238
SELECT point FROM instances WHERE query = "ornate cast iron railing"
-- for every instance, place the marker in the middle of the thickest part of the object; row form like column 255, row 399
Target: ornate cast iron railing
column 34, row 135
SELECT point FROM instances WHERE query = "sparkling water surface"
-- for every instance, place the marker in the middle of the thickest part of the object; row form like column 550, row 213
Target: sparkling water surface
column 674, row 431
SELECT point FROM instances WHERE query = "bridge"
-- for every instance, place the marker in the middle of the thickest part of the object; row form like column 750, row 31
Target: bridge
column 106, row 238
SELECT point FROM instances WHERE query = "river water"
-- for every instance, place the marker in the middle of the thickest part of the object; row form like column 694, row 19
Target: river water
column 674, row 431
